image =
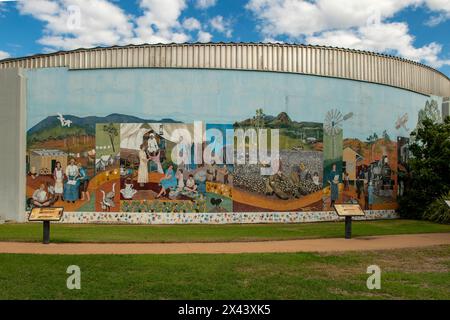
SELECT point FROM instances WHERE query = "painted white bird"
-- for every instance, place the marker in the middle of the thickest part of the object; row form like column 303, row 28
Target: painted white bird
column 112, row 194
column 401, row 122
column 64, row 122
column 108, row 199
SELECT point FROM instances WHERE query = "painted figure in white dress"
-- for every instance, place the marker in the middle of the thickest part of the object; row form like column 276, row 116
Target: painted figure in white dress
column 153, row 151
column 143, row 165
column 180, row 177
column 58, row 175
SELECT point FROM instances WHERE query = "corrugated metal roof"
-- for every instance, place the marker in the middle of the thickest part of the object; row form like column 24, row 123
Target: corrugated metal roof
column 291, row 58
column 49, row 153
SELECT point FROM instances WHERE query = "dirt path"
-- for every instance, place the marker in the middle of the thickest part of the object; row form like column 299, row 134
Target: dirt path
column 313, row 245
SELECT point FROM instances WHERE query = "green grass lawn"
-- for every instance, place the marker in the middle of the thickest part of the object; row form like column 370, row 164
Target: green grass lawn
column 211, row 233
column 406, row 274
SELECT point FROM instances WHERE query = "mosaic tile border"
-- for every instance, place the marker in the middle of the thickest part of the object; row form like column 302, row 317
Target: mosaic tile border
column 216, row 218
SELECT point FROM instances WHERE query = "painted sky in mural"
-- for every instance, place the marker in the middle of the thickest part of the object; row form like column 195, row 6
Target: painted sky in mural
column 198, row 95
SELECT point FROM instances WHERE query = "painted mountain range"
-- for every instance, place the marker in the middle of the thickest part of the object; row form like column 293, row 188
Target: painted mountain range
column 88, row 123
column 287, row 126
column 282, row 120
column 50, row 128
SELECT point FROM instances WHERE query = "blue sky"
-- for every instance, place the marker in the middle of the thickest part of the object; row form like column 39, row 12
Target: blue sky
column 413, row 29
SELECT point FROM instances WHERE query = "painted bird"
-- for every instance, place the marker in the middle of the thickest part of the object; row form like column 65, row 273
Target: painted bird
column 64, row 122
column 108, row 199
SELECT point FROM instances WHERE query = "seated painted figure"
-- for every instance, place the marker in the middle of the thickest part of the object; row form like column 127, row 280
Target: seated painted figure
column 168, row 182
column 42, row 198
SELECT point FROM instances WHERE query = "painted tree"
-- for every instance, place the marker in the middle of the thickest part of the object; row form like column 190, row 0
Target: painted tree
column 430, row 111
column 386, row 137
column 371, row 141
column 112, row 132
column 259, row 118
column 387, row 141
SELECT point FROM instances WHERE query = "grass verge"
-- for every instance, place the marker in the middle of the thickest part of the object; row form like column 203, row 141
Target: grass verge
column 63, row 233
column 406, row 274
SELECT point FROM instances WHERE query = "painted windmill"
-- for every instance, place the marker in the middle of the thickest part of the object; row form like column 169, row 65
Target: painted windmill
column 333, row 124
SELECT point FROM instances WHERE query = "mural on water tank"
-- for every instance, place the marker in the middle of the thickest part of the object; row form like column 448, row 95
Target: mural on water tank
column 99, row 145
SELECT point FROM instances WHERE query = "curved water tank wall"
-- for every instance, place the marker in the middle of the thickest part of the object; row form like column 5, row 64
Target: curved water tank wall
column 341, row 140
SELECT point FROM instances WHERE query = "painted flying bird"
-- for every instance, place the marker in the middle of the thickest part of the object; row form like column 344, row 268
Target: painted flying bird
column 64, row 122
column 401, row 122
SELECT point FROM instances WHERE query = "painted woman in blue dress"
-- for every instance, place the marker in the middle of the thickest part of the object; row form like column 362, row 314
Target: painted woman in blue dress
column 169, row 181
column 84, row 183
column 333, row 180
column 71, row 186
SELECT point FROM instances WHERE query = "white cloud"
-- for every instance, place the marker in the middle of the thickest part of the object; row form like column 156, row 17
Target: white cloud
column 289, row 17
column 301, row 17
column 191, row 24
column 438, row 5
column 272, row 40
column 160, row 23
column 222, row 25
column 442, row 7
column 205, row 4
column 42, row 9
column 4, row 55
column 204, row 36
column 435, row 20
column 358, row 24
column 85, row 24
column 3, row 9
column 383, row 37
column 71, row 24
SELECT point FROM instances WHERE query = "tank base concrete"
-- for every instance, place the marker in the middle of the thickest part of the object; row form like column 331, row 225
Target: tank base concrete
column 12, row 145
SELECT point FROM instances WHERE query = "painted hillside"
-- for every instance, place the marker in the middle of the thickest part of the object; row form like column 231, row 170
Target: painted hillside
column 50, row 134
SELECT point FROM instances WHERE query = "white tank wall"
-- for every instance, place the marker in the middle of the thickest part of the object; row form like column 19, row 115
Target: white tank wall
column 12, row 145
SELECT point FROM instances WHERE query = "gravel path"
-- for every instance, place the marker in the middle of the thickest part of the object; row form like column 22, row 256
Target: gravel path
column 310, row 245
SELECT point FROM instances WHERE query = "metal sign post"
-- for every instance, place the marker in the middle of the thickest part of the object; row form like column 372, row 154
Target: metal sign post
column 46, row 237
column 46, row 215
column 348, row 227
column 348, row 211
